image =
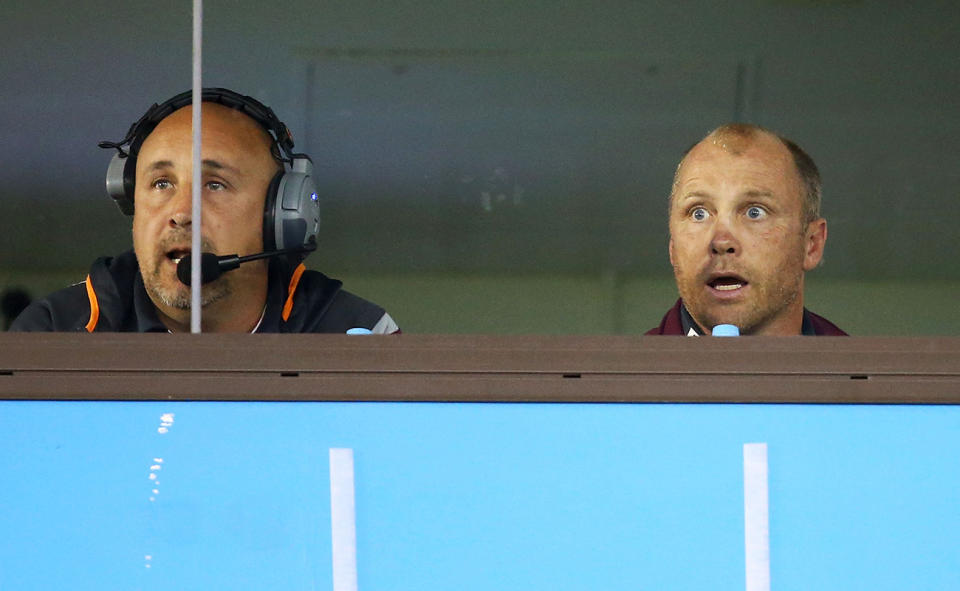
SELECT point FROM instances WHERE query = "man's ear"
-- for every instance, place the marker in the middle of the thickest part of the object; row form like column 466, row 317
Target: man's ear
column 814, row 240
column 670, row 250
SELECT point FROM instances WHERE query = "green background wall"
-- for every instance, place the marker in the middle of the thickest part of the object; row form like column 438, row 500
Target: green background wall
column 503, row 166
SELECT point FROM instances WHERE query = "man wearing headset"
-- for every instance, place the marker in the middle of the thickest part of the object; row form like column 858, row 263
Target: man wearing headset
column 258, row 196
column 745, row 227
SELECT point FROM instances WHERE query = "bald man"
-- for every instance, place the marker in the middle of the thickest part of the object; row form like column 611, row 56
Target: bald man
column 745, row 227
column 257, row 195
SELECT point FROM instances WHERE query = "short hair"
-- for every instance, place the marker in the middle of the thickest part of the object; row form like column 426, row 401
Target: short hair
column 743, row 133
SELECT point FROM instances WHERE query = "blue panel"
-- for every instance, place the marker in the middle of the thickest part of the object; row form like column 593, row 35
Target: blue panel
column 474, row 496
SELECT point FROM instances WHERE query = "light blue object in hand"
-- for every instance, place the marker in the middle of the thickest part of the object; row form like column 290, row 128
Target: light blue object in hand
column 726, row 330
column 359, row 330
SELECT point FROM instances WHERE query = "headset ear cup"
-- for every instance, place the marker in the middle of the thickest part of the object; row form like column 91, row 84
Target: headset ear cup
column 121, row 182
column 309, row 210
column 130, row 181
column 270, row 206
column 297, row 210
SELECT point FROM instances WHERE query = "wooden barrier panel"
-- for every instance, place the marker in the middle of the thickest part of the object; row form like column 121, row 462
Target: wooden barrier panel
column 440, row 462
column 479, row 368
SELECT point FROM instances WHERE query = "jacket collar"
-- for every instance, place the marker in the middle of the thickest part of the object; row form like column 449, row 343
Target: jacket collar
column 692, row 329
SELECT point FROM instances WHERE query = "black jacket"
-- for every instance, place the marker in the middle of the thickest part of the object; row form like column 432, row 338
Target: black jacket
column 113, row 299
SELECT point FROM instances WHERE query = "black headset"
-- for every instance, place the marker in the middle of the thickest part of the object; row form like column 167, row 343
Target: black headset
column 291, row 213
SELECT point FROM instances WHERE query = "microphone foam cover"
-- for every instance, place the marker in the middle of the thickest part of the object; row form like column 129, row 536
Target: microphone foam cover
column 209, row 268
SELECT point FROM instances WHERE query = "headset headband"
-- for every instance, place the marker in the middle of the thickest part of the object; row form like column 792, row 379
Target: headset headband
column 282, row 147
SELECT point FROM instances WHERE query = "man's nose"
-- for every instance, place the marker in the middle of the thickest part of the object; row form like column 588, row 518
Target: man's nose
column 723, row 241
column 181, row 212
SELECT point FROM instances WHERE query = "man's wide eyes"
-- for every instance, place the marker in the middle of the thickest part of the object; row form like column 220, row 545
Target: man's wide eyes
column 754, row 212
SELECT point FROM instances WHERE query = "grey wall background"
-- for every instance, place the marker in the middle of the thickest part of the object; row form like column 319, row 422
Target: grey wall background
column 503, row 166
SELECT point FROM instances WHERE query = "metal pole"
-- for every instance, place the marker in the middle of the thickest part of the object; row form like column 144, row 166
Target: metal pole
column 196, row 287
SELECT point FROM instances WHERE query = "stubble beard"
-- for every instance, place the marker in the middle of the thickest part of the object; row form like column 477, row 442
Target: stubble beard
column 178, row 296
column 170, row 291
column 767, row 302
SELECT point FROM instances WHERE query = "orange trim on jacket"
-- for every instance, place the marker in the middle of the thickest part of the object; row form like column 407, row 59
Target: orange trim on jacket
column 94, row 306
column 292, row 289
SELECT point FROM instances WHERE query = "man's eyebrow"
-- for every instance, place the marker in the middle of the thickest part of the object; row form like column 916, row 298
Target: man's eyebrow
column 754, row 193
column 159, row 165
column 217, row 165
column 695, row 194
column 211, row 164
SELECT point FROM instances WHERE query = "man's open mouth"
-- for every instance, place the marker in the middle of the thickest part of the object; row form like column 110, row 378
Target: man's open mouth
column 727, row 283
column 177, row 253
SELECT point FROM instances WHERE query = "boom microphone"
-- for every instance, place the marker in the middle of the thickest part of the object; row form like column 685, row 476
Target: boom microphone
column 213, row 266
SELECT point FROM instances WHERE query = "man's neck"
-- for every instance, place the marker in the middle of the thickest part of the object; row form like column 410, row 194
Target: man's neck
column 215, row 323
column 231, row 314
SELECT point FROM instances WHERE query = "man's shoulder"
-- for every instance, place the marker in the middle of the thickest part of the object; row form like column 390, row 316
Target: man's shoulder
column 65, row 310
column 671, row 324
column 107, row 287
column 823, row 327
column 320, row 304
column 361, row 313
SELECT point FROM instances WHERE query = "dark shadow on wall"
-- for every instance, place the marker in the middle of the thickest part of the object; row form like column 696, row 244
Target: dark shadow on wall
column 12, row 301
